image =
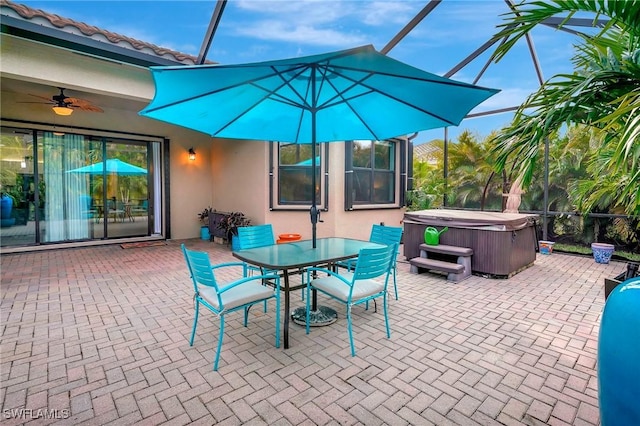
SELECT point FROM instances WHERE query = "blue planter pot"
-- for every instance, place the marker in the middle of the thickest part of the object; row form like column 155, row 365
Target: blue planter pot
column 618, row 355
column 235, row 242
column 6, row 205
column 204, row 233
column 602, row 252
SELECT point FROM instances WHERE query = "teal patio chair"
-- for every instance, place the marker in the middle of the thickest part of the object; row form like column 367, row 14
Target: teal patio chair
column 255, row 236
column 223, row 299
column 367, row 282
column 258, row 236
column 386, row 235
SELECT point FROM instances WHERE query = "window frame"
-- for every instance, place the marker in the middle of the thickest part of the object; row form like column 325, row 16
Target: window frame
column 399, row 177
column 274, row 184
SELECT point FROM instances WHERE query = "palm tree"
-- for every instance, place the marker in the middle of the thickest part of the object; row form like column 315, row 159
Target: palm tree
column 471, row 174
column 602, row 93
column 428, row 184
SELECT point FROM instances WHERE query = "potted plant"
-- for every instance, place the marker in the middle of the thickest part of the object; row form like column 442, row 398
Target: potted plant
column 204, row 220
column 230, row 224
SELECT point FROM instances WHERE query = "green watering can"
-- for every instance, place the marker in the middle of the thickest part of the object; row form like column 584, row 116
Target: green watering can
column 432, row 236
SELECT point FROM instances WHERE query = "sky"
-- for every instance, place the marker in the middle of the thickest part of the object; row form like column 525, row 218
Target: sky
column 259, row 30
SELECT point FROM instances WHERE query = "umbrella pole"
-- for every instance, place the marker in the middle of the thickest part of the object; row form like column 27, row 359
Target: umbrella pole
column 315, row 213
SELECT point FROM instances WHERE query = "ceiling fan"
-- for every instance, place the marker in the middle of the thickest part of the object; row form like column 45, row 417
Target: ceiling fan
column 64, row 105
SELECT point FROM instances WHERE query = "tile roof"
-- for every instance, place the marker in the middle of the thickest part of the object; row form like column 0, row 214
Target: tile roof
column 71, row 26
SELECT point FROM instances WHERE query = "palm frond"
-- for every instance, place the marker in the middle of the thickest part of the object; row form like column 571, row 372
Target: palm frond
column 523, row 17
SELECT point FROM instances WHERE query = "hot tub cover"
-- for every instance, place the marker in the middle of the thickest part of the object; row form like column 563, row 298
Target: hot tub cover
column 471, row 219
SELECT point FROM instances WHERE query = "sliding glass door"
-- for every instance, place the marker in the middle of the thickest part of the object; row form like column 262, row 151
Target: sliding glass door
column 71, row 187
column 120, row 189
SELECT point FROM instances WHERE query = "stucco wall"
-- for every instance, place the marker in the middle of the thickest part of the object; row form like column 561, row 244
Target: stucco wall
column 241, row 183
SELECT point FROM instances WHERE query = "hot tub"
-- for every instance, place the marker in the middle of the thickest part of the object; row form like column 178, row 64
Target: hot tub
column 502, row 243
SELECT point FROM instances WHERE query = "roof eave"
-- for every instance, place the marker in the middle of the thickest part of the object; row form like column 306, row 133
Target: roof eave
column 55, row 37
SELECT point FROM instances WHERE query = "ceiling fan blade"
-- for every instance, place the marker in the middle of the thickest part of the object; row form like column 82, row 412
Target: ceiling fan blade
column 68, row 101
column 42, row 97
column 82, row 104
column 89, row 108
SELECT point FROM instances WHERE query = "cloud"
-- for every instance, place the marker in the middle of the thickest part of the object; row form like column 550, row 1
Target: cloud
column 319, row 22
column 384, row 13
column 507, row 98
column 301, row 34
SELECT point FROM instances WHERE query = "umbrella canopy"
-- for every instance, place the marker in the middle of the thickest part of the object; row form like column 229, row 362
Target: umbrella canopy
column 309, row 161
column 345, row 95
column 111, row 166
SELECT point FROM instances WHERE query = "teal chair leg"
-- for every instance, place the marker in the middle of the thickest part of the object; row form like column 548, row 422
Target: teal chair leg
column 246, row 313
column 263, row 283
column 353, row 350
column 395, row 284
column 215, row 364
column 308, row 309
column 278, row 319
column 195, row 323
column 386, row 316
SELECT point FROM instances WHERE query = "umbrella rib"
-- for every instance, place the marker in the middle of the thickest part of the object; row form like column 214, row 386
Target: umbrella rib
column 447, row 81
column 355, row 82
column 269, row 94
column 303, row 105
column 346, row 100
column 252, row 81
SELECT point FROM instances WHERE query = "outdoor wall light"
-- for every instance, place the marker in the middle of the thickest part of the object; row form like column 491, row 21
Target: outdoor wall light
column 192, row 154
column 62, row 110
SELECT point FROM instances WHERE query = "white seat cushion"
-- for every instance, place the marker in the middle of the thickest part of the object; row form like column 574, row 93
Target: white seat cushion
column 339, row 289
column 237, row 296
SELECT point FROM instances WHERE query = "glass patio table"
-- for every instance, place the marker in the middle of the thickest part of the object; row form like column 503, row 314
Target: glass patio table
column 292, row 258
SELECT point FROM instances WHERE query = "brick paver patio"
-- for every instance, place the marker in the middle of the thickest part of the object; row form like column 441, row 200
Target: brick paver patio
column 100, row 335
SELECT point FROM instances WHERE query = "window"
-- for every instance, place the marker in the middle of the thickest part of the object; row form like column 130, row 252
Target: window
column 292, row 175
column 371, row 173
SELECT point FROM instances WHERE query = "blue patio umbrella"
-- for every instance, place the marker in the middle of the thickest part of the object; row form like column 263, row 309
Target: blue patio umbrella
column 113, row 165
column 338, row 96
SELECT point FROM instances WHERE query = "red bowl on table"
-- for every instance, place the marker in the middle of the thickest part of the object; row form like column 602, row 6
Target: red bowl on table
column 287, row 238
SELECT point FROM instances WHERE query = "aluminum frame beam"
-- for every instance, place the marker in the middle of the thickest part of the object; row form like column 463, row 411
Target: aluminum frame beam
column 410, row 26
column 211, row 31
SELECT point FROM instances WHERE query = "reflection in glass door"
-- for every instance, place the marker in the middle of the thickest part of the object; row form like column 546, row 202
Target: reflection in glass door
column 17, row 187
column 120, row 190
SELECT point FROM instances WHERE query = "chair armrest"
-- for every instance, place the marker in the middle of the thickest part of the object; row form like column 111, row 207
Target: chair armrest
column 327, row 271
column 349, row 264
column 248, row 279
column 226, row 265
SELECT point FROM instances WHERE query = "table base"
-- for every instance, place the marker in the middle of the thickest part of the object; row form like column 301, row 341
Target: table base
column 318, row 318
